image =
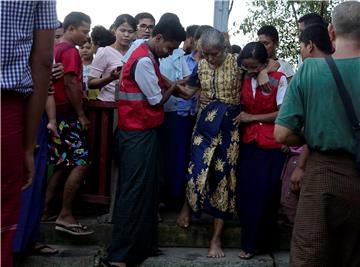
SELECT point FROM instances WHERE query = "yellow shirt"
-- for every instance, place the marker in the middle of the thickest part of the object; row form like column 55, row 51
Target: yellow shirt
column 222, row 83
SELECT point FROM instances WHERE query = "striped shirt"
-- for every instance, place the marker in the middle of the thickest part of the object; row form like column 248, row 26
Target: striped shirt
column 18, row 21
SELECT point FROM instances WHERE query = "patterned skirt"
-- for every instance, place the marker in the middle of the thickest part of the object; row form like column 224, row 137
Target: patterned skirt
column 70, row 149
column 211, row 178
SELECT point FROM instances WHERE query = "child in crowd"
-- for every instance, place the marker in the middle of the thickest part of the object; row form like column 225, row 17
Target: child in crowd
column 87, row 56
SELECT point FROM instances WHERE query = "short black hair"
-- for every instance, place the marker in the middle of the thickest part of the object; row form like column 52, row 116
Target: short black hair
column 75, row 19
column 171, row 30
column 200, row 30
column 101, row 36
column 255, row 50
column 60, row 25
column 169, row 17
column 312, row 18
column 235, row 49
column 125, row 18
column 269, row 31
column 319, row 35
column 190, row 30
column 144, row 15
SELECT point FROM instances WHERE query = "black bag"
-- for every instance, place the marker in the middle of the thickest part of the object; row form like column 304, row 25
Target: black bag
column 349, row 107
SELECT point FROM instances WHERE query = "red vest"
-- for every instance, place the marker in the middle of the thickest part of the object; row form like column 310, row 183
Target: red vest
column 135, row 112
column 260, row 132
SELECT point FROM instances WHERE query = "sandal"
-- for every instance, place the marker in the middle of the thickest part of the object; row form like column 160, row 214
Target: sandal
column 105, row 263
column 43, row 249
column 73, row 229
column 246, row 255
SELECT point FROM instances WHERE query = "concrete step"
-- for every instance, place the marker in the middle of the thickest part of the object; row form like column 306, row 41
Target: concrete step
column 170, row 235
column 73, row 256
column 68, row 256
column 196, row 257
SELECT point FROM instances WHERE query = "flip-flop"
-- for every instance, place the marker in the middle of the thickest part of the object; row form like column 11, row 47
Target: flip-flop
column 73, row 229
column 105, row 263
column 43, row 249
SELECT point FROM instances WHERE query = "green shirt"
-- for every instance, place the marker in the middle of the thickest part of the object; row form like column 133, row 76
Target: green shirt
column 312, row 101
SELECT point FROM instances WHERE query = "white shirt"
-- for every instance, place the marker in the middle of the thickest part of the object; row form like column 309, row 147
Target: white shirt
column 285, row 68
column 283, row 84
column 106, row 60
column 145, row 77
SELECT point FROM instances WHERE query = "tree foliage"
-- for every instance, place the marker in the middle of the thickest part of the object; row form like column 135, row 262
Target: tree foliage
column 283, row 14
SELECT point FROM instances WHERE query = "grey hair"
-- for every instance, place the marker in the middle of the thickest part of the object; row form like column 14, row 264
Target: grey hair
column 346, row 20
column 213, row 38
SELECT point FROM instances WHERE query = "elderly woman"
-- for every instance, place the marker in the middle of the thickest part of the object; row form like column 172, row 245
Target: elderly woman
column 211, row 175
column 211, row 179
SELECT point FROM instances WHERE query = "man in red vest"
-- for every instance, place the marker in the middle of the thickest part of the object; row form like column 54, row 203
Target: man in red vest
column 142, row 95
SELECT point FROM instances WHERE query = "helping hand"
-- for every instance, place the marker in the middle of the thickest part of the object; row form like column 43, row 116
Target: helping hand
column 84, row 122
column 57, row 71
column 243, row 117
column 263, row 81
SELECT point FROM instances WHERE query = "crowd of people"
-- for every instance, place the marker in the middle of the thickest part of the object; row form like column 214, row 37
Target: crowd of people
column 204, row 128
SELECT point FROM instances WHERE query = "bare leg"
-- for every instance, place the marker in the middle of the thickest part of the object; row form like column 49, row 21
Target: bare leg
column 72, row 185
column 184, row 218
column 215, row 250
column 51, row 190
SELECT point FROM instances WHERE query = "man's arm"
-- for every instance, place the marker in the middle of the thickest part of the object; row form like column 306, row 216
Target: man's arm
column 263, row 77
column 73, row 91
column 287, row 137
column 40, row 63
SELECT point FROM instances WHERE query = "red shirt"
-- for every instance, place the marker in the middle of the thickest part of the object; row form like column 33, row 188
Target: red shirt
column 69, row 56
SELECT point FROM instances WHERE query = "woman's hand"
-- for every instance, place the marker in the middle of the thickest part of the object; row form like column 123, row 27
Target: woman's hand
column 204, row 100
column 115, row 74
column 246, row 117
column 243, row 117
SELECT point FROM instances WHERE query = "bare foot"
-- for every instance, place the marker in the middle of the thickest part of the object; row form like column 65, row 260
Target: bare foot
column 245, row 255
column 215, row 250
column 69, row 219
column 184, row 218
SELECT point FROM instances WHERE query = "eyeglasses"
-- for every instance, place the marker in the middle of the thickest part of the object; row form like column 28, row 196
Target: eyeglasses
column 145, row 27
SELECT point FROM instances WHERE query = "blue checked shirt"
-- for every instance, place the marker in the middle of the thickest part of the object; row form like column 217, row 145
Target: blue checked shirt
column 18, row 21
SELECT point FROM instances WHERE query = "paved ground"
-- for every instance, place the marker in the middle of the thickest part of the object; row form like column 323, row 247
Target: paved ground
column 73, row 256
